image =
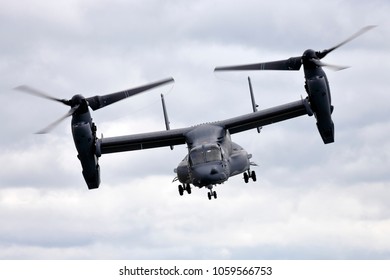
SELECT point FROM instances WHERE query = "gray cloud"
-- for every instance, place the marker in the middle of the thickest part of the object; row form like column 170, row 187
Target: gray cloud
column 312, row 201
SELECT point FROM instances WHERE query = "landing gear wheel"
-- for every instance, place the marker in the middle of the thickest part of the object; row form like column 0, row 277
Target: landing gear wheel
column 188, row 188
column 181, row 190
column 212, row 194
column 253, row 176
column 246, row 177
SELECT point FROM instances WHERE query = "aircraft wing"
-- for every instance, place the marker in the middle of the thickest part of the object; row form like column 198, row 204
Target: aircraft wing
column 267, row 116
column 178, row 136
column 142, row 141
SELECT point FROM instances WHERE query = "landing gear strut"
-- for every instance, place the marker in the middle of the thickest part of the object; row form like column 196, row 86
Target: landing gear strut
column 248, row 174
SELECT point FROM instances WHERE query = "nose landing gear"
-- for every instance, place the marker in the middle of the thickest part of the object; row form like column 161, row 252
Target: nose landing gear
column 211, row 193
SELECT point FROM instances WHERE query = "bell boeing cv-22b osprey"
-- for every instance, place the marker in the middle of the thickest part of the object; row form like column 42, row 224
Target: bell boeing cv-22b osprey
column 212, row 156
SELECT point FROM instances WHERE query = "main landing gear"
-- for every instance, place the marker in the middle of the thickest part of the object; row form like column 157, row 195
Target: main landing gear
column 185, row 187
column 248, row 174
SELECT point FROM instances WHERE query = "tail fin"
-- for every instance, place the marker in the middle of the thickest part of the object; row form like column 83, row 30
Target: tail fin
column 254, row 105
column 165, row 115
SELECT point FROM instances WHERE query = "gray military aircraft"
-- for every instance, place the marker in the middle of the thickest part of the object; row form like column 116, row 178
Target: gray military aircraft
column 212, row 156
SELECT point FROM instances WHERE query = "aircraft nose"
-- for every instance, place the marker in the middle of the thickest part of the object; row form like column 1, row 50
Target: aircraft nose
column 208, row 174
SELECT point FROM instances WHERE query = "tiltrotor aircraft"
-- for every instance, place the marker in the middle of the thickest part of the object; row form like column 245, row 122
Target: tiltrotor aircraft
column 212, row 156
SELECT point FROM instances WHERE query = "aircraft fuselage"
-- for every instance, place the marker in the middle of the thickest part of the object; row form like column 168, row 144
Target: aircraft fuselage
column 212, row 157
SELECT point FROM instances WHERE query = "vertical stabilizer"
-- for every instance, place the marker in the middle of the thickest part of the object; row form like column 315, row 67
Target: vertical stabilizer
column 254, row 105
column 165, row 115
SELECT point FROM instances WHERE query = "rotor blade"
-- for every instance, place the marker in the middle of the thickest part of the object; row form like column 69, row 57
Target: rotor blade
column 331, row 66
column 54, row 124
column 355, row 35
column 97, row 102
column 33, row 91
column 293, row 63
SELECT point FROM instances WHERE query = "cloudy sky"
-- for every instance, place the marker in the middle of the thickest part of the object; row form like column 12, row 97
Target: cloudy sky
column 311, row 201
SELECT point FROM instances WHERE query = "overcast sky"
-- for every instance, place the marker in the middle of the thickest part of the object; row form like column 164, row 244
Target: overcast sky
column 311, row 201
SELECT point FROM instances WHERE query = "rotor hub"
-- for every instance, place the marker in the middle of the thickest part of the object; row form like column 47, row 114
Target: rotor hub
column 77, row 99
column 310, row 54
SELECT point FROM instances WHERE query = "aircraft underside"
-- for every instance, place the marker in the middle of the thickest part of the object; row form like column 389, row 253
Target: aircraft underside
column 187, row 187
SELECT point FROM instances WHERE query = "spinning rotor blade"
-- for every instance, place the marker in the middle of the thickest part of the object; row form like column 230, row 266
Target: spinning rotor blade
column 54, row 124
column 357, row 34
column 97, row 102
column 293, row 63
column 331, row 66
column 39, row 93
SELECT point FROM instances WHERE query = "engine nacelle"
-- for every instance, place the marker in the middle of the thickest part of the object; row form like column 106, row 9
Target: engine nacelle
column 320, row 101
column 84, row 136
